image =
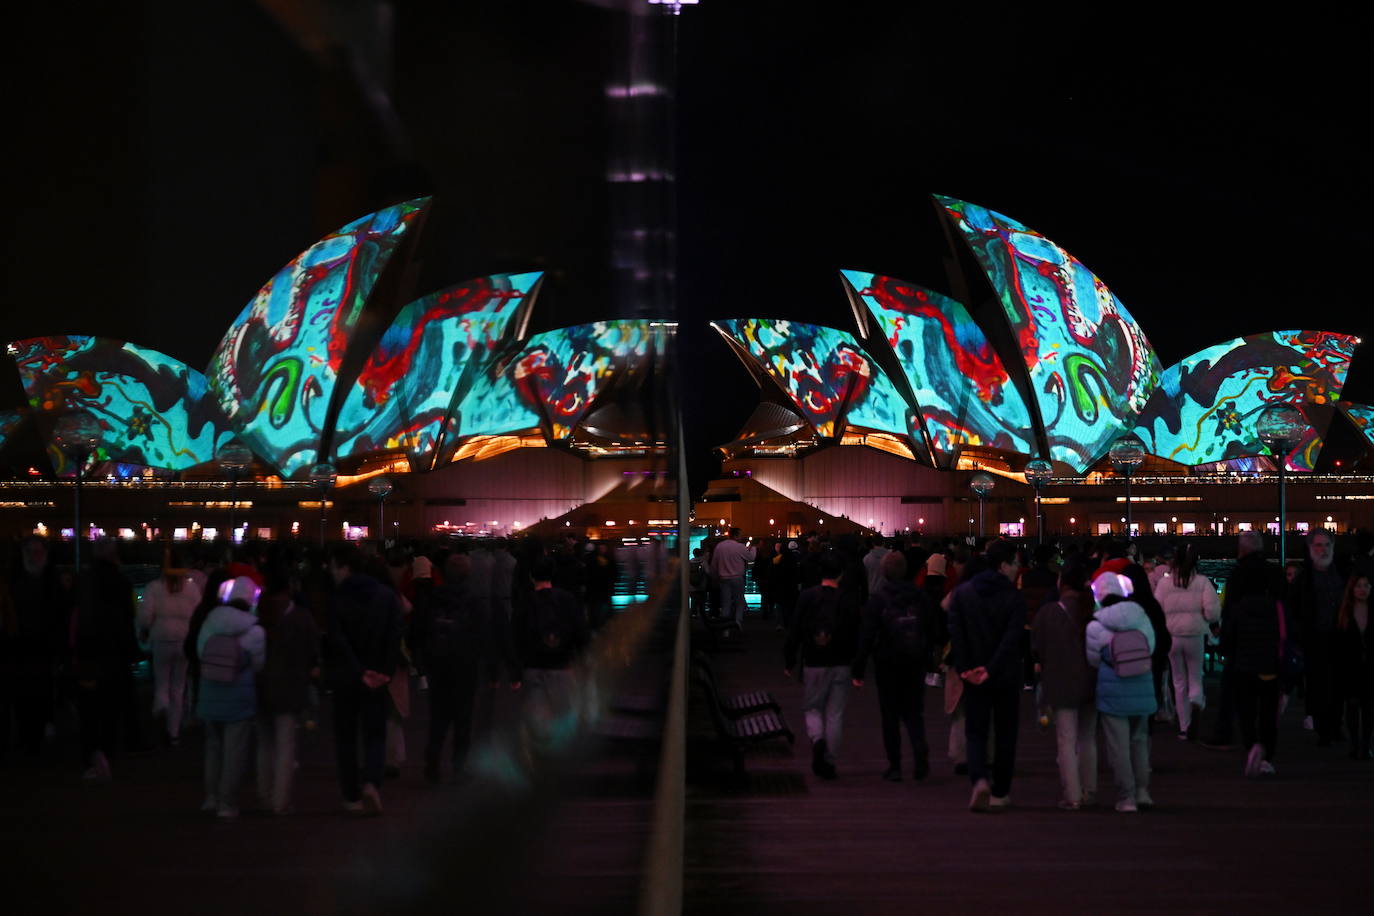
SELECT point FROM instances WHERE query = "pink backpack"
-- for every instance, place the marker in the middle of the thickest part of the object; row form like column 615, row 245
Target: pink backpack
column 1131, row 654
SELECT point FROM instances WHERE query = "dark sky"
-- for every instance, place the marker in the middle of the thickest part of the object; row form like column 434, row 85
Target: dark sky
column 170, row 159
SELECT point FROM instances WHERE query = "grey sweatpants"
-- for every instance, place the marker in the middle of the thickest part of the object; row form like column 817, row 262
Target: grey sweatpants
column 824, row 692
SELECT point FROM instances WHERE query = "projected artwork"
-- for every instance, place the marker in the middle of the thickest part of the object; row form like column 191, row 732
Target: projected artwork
column 962, row 390
column 821, row 369
column 275, row 370
column 9, row 422
column 1206, row 406
column 154, row 410
column 1361, row 415
column 1091, row 368
column 557, row 374
column 434, row 348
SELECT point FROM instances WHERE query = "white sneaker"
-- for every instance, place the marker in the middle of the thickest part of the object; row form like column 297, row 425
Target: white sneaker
column 1253, row 761
column 1143, row 799
column 996, row 804
column 1307, row 723
column 372, row 800
column 982, row 795
column 1126, row 806
column 1266, row 768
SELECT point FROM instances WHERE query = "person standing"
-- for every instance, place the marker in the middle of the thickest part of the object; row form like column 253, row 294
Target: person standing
column 987, row 618
column 1190, row 605
column 1119, row 643
column 824, row 637
column 873, row 563
column 1314, row 600
column 164, row 617
column 231, row 648
column 550, row 632
column 729, row 561
column 901, row 629
column 363, row 650
column 1354, row 657
column 104, row 648
column 40, row 610
column 293, row 649
column 1068, row 684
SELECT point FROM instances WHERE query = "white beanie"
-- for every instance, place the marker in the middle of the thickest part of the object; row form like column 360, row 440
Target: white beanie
column 1111, row 583
column 242, row 589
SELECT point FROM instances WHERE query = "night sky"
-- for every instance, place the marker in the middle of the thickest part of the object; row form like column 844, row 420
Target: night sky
column 167, row 161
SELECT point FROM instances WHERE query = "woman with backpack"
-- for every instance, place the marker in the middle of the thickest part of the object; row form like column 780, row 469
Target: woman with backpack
column 1191, row 606
column 231, row 648
column 1119, row 642
column 1068, row 684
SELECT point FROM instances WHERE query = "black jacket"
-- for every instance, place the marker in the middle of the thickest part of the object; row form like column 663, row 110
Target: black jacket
column 1249, row 616
column 873, row 636
column 364, row 631
column 293, row 647
column 550, row 629
column 824, row 615
column 987, row 616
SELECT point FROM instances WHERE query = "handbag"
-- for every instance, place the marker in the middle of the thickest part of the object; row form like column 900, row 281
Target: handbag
column 1292, row 663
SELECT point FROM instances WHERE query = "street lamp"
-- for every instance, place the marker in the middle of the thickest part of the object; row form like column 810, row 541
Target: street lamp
column 1281, row 427
column 323, row 476
column 1126, row 455
column 381, row 488
column 981, row 484
column 77, row 435
column 1038, row 473
column 233, row 459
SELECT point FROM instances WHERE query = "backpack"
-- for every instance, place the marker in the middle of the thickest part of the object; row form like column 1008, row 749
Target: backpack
column 827, row 619
column 904, row 632
column 222, row 659
column 1131, row 654
column 550, row 628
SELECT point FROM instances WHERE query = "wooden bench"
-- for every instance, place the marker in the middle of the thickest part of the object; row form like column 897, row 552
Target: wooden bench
column 737, row 732
column 735, row 704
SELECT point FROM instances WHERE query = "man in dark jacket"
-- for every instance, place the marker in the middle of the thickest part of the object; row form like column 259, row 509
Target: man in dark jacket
column 900, row 629
column 1313, row 601
column 363, row 646
column 37, row 640
column 825, row 634
column 987, row 617
column 1250, row 643
column 104, row 649
column 550, row 632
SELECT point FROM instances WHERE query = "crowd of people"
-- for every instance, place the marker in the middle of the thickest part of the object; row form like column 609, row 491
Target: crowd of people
column 1112, row 643
column 246, row 645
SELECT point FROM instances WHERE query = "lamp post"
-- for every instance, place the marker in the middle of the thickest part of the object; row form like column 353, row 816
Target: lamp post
column 323, row 476
column 1126, row 455
column 233, row 459
column 1281, row 427
column 77, row 435
column 1038, row 473
column 381, row 488
column 981, row 484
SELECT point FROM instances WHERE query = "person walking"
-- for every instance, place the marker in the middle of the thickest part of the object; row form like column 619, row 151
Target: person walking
column 549, row 630
column 164, row 619
column 231, row 647
column 40, row 609
column 901, row 630
column 1254, row 623
column 1068, row 684
column 293, row 651
column 1119, row 643
column 1191, row 606
column 363, row 650
column 1314, row 600
column 729, row 561
column 1354, row 657
column 103, row 650
column 987, row 618
column 824, row 638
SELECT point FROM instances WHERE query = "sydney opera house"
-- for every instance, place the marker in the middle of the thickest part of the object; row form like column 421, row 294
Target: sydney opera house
column 329, row 379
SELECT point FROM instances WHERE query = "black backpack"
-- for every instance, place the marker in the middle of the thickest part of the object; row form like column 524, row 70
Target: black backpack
column 904, row 631
column 827, row 618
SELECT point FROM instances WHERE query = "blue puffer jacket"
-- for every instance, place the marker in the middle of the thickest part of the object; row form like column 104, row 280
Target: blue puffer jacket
column 236, row 701
column 1120, row 696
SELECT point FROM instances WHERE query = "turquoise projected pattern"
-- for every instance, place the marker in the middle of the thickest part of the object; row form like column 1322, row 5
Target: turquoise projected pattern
column 1361, row 415
column 1091, row 368
column 153, row 410
column 1206, row 406
column 824, row 371
column 558, row 375
column 962, row 390
column 275, row 370
column 429, row 355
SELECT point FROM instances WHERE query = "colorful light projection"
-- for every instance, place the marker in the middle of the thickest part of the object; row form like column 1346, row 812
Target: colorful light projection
column 1091, row 368
column 1361, row 415
column 429, row 355
column 962, row 390
column 9, row 422
column 275, row 370
column 154, row 410
column 1206, row 406
column 824, row 371
column 557, row 375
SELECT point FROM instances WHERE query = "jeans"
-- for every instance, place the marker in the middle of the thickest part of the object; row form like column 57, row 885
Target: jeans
column 169, row 684
column 1128, row 751
column 901, row 700
column 355, row 707
column 226, row 757
column 1075, row 732
column 276, row 759
column 1257, row 707
column 732, row 599
column 996, row 706
column 1185, row 661
column 451, row 695
column 824, row 692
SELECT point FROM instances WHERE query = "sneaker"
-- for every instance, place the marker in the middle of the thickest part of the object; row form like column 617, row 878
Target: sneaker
column 982, row 795
column 372, row 800
column 1183, row 736
column 353, row 807
column 998, row 804
column 1307, row 723
column 892, row 774
column 1253, row 761
column 1143, row 801
column 1126, row 806
column 1066, row 805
